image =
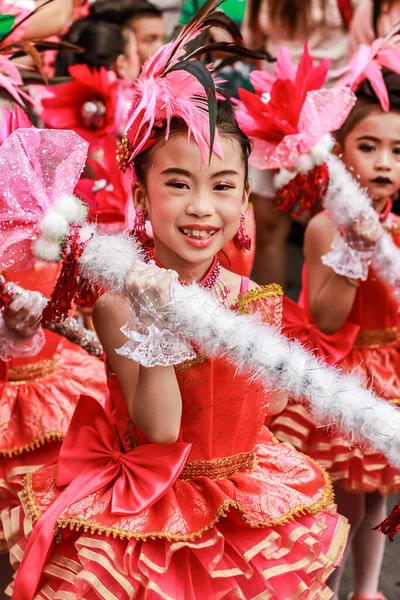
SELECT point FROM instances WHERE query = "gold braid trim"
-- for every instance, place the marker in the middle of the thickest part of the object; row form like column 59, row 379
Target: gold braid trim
column 188, row 364
column 219, row 468
column 260, row 293
column 377, row 338
column 49, row 436
column 32, row 372
column 35, row 513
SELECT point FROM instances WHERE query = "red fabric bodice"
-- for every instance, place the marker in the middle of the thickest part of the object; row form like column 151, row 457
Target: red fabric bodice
column 222, row 411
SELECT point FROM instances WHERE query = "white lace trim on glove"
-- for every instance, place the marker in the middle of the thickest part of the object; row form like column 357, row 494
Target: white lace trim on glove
column 13, row 345
column 348, row 261
column 155, row 347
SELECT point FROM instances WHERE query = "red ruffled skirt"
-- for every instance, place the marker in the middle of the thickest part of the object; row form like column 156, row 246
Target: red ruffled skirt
column 36, row 407
column 269, row 533
column 352, row 468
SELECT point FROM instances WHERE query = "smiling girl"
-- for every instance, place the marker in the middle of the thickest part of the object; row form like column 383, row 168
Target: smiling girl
column 178, row 490
column 357, row 324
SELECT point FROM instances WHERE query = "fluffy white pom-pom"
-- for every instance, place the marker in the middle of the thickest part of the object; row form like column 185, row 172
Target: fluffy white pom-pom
column 305, row 163
column 282, row 178
column 47, row 250
column 321, row 149
column 53, row 225
column 108, row 259
column 72, row 208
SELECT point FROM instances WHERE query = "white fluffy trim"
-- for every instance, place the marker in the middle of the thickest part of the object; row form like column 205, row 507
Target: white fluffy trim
column 335, row 399
column 47, row 250
column 71, row 208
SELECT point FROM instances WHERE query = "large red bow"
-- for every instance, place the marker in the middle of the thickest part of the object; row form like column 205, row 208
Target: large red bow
column 90, row 459
column 332, row 348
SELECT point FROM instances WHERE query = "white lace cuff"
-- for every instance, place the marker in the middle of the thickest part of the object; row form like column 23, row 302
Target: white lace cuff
column 348, row 261
column 13, row 345
column 154, row 347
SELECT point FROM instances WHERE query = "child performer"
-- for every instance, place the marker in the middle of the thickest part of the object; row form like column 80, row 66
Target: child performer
column 41, row 374
column 356, row 324
column 246, row 516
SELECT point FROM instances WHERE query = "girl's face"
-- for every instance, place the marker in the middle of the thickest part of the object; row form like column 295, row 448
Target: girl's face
column 193, row 211
column 127, row 65
column 372, row 153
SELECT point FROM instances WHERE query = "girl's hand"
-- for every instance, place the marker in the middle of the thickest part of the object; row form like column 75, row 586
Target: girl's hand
column 150, row 293
column 24, row 313
column 364, row 233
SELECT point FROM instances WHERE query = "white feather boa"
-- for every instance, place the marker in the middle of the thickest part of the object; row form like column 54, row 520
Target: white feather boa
column 346, row 201
column 336, row 399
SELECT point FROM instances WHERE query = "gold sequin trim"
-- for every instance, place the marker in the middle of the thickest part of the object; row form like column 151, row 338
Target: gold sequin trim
column 219, row 468
column 35, row 513
column 188, row 364
column 49, row 436
column 377, row 338
column 32, row 372
column 265, row 291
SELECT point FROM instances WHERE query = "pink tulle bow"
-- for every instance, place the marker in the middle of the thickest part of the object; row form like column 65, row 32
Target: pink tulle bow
column 37, row 167
column 367, row 63
column 290, row 113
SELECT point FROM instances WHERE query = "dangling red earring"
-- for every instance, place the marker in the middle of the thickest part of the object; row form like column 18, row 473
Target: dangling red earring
column 139, row 226
column 241, row 240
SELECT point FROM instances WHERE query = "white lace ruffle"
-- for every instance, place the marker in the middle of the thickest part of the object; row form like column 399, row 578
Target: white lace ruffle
column 348, row 261
column 13, row 345
column 155, row 347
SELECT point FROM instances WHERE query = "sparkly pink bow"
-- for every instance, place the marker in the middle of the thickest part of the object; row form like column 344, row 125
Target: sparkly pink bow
column 37, row 167
column 290, row 113
column 367, row 63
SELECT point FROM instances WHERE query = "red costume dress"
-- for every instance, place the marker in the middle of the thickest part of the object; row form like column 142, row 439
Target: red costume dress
column 369, row 344
column 247, row 518
column 38, row 396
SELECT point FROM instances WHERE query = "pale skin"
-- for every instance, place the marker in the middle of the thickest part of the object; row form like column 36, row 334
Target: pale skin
column 178, row 194
column 51, row 19
column 371, row 150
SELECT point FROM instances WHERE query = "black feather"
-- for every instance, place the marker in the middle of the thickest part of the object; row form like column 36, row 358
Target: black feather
column 220, row 19
column 204, row 77
column 229, row 48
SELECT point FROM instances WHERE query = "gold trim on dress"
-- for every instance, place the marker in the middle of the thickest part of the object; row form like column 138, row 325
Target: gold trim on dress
column 35, row 513
column 255, row 294
column 49, row 436
column 377, row 338
column 188, row 364
column 219, row 468
column 33, row 372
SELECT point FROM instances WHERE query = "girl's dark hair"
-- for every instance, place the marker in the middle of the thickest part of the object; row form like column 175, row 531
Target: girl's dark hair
column 290, row 13
column 368, row 102
column 227, row 128
column 102, row 35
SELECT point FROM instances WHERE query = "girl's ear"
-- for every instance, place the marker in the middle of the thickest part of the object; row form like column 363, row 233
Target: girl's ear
column 337, row 149
column 138, row 195
column 246, row 194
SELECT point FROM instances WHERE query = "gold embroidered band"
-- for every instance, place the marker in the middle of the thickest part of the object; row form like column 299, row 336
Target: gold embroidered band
column 219, row 468
column 32, row 372
column 376, row 338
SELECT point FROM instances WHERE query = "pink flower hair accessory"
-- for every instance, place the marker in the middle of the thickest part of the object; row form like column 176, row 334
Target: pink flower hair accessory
column 40, row 169
column 290, row 118
column 367, row 64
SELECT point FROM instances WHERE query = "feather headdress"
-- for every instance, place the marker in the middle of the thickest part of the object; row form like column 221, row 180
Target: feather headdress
column 289, row 118
column 367, row 64
column 174, row 84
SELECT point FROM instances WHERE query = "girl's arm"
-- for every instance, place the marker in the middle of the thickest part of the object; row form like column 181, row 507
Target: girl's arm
column 331, row 296
column 152, row 394
column 49, row 20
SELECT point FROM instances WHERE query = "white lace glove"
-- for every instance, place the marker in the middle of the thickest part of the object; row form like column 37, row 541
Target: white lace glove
column 152, row 340
column 352, row 252
column 20, row 331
